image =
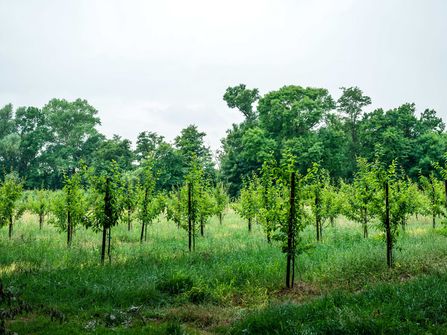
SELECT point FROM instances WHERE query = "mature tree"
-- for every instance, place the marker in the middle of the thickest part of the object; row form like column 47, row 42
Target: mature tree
column 114, row 149
column 190, row 144
column 73, row 137
column 350, row 105
column 243, row 99
column 147, row 143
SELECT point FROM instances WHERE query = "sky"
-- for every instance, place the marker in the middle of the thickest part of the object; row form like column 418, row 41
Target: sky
column 163, row 65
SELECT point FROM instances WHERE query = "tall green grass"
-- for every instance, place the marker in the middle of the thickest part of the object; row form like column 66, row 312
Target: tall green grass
column 232, row 271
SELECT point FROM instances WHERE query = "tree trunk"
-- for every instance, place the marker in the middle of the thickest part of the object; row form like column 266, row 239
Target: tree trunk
column 103, row 245
column 249, row 224
column 142, row 232
column 129, row 227
column 41, row 216
column 220, row 218
column 434, row 221
column 365, row 223
column 10, row 226
column 202, row 226
column 389, row 241
column 189, row 217
column 317, row 215
column 69, row 230
column 109, row 254
column 290, row 233
column 145, row 231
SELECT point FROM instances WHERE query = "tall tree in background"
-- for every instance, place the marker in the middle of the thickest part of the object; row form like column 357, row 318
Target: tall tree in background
column 72, row 139
column 350, row 105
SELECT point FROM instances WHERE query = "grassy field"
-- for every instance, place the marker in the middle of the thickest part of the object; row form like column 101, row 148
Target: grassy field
column 232, row 284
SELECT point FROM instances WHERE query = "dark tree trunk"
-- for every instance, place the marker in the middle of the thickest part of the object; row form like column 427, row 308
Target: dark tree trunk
column 189, row 217
column 220, row 218
column 41, row 218
column 290, row 234
column 145, row 232
column 103, row 244
column 249, row 224
column 69, row 227
column 434, row 221
column 10, row 226
column 202, row 226
column 129, row 226
column 317, row 215
column 109, row 254
column 142, row 232
column 389, row 240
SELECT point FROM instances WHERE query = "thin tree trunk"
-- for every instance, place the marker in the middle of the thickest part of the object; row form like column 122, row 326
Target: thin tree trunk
column 103, row 245
column 249, row 224
column 202, row 226
column 142, row 232
column 145, row 232
column 109, row 254
column 10, row 226
column 317, row 215
column 365, row 223
column 41, row 217
column 189, row 217
column 69, row 230
column 434, row 221
column 290, row 232
column 389, row 241
column 129, row 227
column 220, row 218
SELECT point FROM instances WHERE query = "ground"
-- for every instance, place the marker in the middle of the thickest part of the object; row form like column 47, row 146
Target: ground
column 233, row 283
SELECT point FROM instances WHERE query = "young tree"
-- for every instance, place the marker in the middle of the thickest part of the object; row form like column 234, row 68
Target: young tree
column 385, row 205
column 130, row 198
column 360, row 194
column 69, row 206
column 39, row 204
column 247, row 206
column 10, row 193
column 107, row 205
column 221, row 200
column 146, row 198
column 432, row 187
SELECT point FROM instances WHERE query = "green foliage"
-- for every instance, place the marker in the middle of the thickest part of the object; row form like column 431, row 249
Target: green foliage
column 10, row 194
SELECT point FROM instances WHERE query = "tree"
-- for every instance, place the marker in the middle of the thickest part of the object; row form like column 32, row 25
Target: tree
column 107, row 205
column 147, row 199
column 39, row 204
column 191, row 147
column 243, row 99
column 69, row 206
column 433, row 189
column 221, row 200
column 360, row 195
column 130, row 197
column 10, row 193
column 73, row 137
column 350, row 105
column 147, row 143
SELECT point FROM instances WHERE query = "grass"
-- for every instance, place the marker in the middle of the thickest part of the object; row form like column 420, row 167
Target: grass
column 232, row 283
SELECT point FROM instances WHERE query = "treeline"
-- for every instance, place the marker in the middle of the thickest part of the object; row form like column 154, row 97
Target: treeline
column 315, row 128
column 44, row 144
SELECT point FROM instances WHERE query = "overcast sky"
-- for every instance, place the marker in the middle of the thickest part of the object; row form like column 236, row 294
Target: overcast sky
column 162, row 65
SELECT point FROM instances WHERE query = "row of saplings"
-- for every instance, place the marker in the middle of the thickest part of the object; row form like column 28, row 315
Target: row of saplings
column 284, row 202
column 102, row 201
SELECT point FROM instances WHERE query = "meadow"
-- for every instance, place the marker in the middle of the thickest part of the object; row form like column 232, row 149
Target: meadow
column 232, row 284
